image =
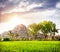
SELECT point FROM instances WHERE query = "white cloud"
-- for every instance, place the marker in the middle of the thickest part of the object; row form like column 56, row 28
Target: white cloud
column 58, row 5
column 34, row 5
column 41, row 14
column 24, row 6
column 17, row 10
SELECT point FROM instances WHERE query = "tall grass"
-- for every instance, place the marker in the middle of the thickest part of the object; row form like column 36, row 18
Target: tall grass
column 30, row 46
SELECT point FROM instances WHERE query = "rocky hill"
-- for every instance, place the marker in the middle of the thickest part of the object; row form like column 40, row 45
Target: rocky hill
column 19, row 32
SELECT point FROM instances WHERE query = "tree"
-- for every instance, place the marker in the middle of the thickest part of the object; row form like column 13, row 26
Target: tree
column 11, row 34
column 14, row 36
column 47, row 27
column 33, row 29
column 54, row 30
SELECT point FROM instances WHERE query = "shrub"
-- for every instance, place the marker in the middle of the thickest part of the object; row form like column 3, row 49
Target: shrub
column 6, row 39
column 0, row 39
column 24, row 39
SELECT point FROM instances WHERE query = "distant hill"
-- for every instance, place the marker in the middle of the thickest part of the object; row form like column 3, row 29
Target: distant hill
column 20, row 31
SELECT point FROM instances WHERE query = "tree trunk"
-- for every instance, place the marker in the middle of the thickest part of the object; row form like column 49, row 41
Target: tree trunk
column 53, row 36
column 45, row 34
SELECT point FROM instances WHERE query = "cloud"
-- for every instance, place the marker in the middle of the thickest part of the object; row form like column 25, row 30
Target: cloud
column 58, row 5
column 50, row 3
column 33, row 6
column 21, row 7
column 40, row 14
column 8, row 5
column 3, row 1
column 2, row 5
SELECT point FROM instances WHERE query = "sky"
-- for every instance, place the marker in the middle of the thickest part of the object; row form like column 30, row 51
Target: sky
column 14, row 12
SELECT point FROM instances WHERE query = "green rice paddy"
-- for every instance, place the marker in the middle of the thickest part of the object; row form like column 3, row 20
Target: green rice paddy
column 30, row 46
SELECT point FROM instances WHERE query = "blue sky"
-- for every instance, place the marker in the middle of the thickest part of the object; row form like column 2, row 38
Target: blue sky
column 32, row 11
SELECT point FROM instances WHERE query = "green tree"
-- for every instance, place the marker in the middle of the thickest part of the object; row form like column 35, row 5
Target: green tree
column 33, row 29
column 44, row 28
column 54, row 30
column 47, row 27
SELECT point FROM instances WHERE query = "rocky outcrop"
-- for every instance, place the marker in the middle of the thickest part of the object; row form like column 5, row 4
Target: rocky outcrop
column 20, row 32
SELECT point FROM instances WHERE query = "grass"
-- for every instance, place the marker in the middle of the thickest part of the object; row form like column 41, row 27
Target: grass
column 30, row 46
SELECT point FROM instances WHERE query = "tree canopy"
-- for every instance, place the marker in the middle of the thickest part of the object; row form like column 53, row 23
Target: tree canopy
column 45, row 27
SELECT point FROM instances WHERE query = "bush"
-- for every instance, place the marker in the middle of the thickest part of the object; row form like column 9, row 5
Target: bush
column 24, row 39
column 6, row 39
column 0, row 39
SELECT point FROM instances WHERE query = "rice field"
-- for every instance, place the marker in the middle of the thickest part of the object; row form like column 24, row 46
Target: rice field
column 30, row 46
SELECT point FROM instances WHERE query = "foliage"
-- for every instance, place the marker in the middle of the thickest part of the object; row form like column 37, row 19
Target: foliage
column 25, row 39
column 48, row 27
column 45, row 27
column 33, row 29
column 0, row 39
column 13, row 36
column 6, row 39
